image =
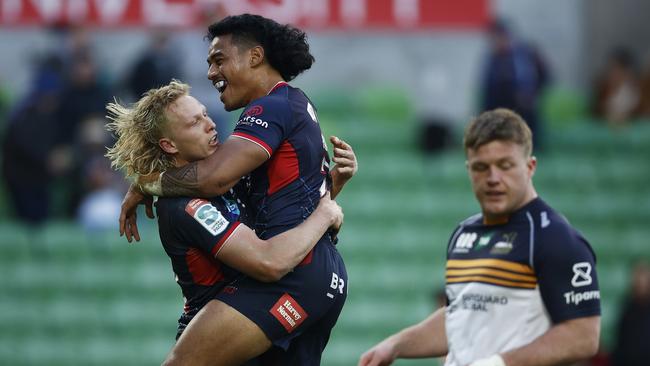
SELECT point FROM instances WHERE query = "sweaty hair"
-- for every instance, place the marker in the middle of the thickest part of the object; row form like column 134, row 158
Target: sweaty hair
column 139, row 128
column 498, row 125
column 285, row 47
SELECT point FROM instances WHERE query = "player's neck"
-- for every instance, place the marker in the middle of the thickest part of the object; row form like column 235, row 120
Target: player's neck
column 265, row 82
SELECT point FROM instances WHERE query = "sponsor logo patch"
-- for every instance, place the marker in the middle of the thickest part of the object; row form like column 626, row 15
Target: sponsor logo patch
column 255, row 110
column 576, row 298
column 207, row 215
column 504, row 246
column 581, row 274
column 251, row 121
column 465, row 242
column 288, row 312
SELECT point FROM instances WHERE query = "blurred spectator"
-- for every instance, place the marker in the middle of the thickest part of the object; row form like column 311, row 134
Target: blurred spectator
column 514, row 77
column 633, row 342
column 617, row 93
column 83, row 98
column 644, row 104
column 156, row 66
column 28, row 142
column 100, row 208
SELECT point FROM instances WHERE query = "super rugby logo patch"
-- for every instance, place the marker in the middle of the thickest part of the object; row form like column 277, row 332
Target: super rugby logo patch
column 288, row 312
column 207, row 215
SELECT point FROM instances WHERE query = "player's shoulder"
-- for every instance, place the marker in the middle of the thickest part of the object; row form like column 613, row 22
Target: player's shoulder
column 553, row 231
column 473, row 220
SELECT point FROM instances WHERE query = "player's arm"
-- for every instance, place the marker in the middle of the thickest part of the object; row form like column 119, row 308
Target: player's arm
column 346, row 164
column 425, row 339
column 563, row 344
column 214, row 175
column 271, row 259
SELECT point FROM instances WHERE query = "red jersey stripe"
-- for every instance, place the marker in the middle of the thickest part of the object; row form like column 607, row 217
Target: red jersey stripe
column 254, row 140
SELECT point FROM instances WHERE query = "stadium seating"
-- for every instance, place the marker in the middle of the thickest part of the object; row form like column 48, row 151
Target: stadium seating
column 76, row 298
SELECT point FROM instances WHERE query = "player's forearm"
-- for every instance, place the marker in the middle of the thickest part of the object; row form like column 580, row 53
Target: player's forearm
column 425, row 339
column 286, row 250
column 564, row 343
column 198, row 179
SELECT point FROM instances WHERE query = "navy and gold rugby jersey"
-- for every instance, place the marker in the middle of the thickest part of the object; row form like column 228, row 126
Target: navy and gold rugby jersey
column 286, row 188
column 507, row 284
column 192, row 231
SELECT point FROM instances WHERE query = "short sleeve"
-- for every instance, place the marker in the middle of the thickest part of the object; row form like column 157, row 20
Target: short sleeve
column 204, row 224
column 265, row 123
column 565, row 267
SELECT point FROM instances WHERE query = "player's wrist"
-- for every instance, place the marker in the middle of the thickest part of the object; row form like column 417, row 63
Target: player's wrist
column 494, row 360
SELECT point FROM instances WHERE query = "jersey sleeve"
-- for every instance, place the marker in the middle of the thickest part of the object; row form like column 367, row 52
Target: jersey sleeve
column 265, row 122
column 565, row 267
column 204, row 224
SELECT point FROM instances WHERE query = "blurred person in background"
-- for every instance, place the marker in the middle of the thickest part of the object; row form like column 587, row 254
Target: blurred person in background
column 644, row 103
column 514, row 77
column 156, row 66
column 28, row 144
column 632, row 347
column 280, row 150
column 102, row 188
column 82, row 100
column 617, row 91
column 168, row 127
column 521, row 282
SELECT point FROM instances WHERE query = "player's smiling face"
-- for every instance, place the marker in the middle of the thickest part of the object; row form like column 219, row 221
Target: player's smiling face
column 501, row 175
column 229, row 72
column 190, row 134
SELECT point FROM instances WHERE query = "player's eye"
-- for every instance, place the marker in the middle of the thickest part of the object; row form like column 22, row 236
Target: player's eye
column 479, row 167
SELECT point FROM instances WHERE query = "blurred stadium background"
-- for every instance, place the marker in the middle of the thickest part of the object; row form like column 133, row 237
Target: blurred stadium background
column 74, row 293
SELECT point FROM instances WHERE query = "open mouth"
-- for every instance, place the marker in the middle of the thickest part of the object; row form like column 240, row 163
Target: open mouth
column 214, row 141
column 221, row 85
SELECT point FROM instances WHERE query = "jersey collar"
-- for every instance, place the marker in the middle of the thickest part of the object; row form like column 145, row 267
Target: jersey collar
column 278, row 85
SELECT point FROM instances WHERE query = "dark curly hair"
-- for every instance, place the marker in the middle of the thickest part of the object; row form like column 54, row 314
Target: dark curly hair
column 285, row 47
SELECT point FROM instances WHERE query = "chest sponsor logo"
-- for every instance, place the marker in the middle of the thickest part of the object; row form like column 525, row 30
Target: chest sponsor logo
column 505, row 245
column 581, row 274
column 252, row 121
column 484, row 240
column 288, row 312
column 253, row 111
column 479, row 302
column 207, row 215
column 576, row 298
column 465, row 242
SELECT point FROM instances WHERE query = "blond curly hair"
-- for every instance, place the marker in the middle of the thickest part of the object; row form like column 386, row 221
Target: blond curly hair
column 139, row 128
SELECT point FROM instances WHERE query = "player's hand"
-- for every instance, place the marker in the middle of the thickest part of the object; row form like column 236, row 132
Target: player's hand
column 332, row 210
column 128, row 213
column 383, row 354
column 345, row 159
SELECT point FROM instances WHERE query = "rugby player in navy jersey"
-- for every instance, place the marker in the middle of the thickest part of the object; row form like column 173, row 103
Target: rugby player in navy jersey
column 278, row 145
column 206, row 239
column 521, row 283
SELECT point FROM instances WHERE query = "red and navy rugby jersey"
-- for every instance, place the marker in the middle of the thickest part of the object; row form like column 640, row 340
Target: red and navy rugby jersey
column 192, row 231
column 286, row 188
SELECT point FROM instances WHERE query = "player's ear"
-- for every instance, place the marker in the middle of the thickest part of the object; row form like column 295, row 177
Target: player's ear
column 167, row 145
column 256, row 56
column 532, row 165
